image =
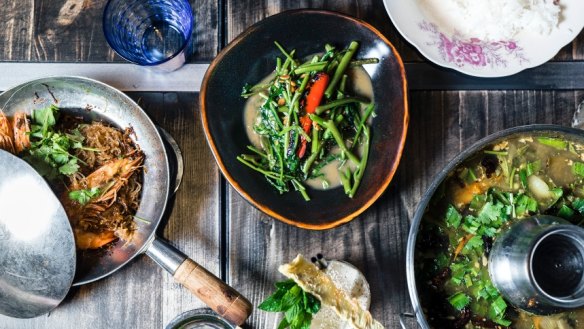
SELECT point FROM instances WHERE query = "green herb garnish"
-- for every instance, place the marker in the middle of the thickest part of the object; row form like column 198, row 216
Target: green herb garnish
column 556, row 143
column 50, row 150
column 578, row 168
column 84, row 196
column 298, row 305
column 459, row 300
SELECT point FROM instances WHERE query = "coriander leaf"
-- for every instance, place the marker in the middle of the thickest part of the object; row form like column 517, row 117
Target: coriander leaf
column 69, row 168
column 453, row 217
column 475, row 243
column 45, row 118
column 51, row 146
column 490, row 213
column 471, row 224
column 525, row 204
column 84, row 196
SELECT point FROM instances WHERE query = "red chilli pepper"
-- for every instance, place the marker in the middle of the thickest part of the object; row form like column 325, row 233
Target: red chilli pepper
column 313, row 99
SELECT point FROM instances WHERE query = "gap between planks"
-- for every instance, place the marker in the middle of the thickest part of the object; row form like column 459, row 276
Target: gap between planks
column 125, row 77
column 421, row 76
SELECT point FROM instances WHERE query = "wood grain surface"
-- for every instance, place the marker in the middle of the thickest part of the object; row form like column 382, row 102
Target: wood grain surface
column 442, row 124
column 71, row 31
column 210, row 222
column 142, row 295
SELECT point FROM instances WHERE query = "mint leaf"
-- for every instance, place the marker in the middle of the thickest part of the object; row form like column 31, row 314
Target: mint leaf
column 311, row 303
column 298, row 306
column 286, row 285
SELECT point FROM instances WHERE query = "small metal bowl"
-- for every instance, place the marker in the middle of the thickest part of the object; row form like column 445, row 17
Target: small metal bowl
column 201, row 318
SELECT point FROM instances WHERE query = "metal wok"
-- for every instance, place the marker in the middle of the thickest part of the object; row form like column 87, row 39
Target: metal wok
column 528, row 130
column 97, row 101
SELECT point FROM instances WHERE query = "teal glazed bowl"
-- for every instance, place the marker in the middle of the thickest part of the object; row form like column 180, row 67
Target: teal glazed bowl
column 251, row 57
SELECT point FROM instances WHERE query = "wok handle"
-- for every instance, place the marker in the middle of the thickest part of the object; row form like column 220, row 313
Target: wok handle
column 220, row 297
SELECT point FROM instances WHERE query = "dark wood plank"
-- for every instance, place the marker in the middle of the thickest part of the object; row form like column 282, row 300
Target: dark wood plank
column 442, row 124
column 142, row 295
column 551, row 76
column 71, row 31
column 242, row 14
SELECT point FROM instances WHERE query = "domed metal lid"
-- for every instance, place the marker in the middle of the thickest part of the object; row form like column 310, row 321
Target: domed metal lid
column 37, row 258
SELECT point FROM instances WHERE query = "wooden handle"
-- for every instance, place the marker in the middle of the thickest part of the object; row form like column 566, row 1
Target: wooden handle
column 223, row 299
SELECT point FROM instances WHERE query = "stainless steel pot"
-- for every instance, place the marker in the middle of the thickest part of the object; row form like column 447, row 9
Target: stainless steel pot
column 553, row 130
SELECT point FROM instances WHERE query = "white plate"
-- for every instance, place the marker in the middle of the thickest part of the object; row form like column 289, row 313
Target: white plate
column 481, row 58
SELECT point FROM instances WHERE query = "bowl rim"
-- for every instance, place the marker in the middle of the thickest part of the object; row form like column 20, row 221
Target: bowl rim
column 489, row 74
column 437, row 180
column 262, row 207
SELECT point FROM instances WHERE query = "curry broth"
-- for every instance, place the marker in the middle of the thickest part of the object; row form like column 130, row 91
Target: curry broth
column 533, row 175
column 359, row 84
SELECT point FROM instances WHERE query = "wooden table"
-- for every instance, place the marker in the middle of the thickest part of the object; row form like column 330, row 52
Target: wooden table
column 215, row 226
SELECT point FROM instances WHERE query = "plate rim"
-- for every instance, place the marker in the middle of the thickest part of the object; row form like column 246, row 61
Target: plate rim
column 461, row 69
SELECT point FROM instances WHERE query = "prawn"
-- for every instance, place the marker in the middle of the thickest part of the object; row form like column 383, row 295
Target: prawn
column 110, row 178
column 92, row 240
column 6, row 138
column 21, row 129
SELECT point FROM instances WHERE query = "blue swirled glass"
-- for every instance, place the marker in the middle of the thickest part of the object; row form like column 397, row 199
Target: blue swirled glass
column 149, row 32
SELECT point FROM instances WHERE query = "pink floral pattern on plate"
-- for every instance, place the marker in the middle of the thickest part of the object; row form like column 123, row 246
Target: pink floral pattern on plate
column 474, row 52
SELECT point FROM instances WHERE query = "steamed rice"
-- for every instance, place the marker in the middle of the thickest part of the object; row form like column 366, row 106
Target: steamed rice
column 493, row 20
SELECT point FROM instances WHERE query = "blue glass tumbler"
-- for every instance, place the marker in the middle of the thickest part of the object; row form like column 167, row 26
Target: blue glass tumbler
column 152, row 33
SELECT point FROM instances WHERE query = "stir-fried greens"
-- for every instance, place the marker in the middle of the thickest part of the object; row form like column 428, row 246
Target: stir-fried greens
column 308, row 119
column 505, row 183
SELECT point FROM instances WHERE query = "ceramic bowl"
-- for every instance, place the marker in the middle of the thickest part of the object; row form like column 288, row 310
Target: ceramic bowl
column 251, row 57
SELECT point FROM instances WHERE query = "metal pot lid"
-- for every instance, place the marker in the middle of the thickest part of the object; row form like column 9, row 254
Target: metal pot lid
column 37, row 258
column 202, row 318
